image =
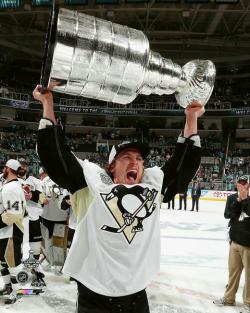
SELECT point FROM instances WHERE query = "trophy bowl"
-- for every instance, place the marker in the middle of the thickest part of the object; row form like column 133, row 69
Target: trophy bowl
column 94, row 58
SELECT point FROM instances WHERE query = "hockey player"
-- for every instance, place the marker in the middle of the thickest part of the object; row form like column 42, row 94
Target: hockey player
column 12, row 209
column 116, row 248
column 53, row 221
column 66, row 205
column 33, row 186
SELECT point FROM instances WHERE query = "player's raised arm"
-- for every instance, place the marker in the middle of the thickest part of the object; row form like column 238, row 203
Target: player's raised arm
column 192, row 112
column 61, row 164
column 46, row 98
column 183, row 165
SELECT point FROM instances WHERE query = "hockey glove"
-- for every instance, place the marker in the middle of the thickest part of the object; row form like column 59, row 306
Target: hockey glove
column 10, row 218
column 42, row 199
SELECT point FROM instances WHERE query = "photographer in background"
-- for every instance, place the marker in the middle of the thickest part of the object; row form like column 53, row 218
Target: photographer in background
column 238, row 211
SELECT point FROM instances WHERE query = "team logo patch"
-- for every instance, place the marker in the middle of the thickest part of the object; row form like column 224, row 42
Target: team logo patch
column 106, row 179
column 129, row 207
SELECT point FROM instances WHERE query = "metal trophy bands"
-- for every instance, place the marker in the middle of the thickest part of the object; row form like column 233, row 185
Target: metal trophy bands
column 90, row 57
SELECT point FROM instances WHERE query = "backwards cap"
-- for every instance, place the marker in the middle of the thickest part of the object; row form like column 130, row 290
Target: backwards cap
column 13, row 164
column 116, row 149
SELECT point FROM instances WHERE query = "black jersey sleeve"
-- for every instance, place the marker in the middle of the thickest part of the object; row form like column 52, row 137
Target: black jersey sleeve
column 61, row 164
column 180, row 169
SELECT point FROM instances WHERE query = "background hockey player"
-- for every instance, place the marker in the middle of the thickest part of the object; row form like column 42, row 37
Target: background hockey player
column 53, row 221
column 12, row 209
column 111, row 261
column 66, row 205
column 33, row 186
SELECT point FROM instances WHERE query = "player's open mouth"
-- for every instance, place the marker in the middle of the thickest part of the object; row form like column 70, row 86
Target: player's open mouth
column 132, row 175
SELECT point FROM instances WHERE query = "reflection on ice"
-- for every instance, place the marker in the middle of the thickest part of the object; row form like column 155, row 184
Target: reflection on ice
column 158, row 308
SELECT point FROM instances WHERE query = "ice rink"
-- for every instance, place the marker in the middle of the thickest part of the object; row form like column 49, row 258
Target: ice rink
column 193, row 268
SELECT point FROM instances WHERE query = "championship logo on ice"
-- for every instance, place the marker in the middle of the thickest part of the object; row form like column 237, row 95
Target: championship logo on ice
column 129, row 207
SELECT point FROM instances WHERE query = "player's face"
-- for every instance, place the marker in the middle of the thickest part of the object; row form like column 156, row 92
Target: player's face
column 242, row 186
column 23, row 170
column 243, row 182
column 128, row 167
column 42, row 176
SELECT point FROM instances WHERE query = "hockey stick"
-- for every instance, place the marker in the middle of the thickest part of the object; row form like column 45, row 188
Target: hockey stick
column 120, row 229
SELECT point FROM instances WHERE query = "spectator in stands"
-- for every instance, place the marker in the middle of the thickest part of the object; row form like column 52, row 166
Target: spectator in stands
column 211, row 185
column 238, row 211
column 4, row 91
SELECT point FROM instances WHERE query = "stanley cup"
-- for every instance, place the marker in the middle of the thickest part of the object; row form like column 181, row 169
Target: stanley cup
column 90, row 57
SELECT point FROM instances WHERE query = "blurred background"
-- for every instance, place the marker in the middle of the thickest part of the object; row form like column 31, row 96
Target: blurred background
column 181, row 30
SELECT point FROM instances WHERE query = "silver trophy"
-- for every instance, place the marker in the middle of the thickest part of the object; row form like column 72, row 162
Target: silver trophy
column 90, row 57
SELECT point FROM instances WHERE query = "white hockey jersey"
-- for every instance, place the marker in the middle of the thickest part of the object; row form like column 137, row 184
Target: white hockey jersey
column 11, row 200
column 53, row 193
column 110, row 255
column 34, row 209
column 72, row 222
column 2, row 180
column 72, row 219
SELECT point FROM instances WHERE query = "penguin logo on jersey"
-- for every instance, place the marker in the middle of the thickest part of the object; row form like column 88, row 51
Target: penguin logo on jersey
column 129, row 207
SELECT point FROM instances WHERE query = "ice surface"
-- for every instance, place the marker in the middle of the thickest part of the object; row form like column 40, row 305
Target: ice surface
column 193, row 268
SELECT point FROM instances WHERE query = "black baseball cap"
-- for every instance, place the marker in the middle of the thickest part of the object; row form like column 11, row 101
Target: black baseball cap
column 243, row 178
column 116, row 149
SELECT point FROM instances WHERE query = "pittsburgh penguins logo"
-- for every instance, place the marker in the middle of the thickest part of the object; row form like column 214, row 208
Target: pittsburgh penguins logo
column 129, row 207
